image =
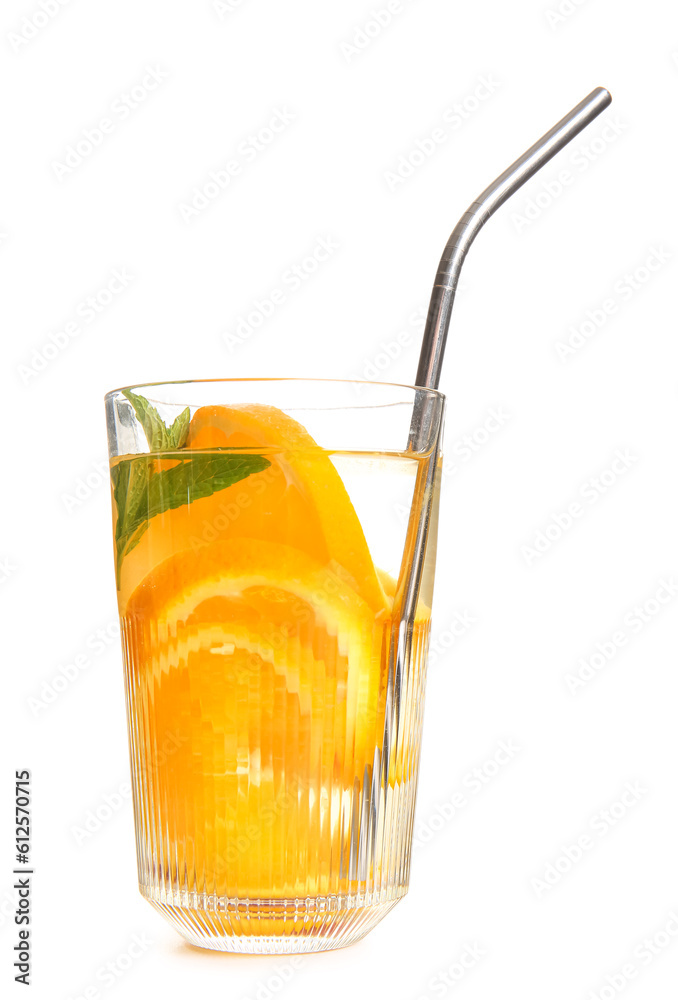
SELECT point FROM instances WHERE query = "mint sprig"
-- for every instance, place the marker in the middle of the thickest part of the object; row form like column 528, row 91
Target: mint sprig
column 160, row 437
column 141, row 491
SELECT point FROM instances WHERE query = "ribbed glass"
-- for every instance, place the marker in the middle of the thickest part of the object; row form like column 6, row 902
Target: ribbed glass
column 274, row 698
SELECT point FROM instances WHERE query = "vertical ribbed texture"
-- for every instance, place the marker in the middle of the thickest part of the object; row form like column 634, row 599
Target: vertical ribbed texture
column 275, row 773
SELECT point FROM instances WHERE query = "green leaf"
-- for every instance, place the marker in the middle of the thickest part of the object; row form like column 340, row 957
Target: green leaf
column 160, row 437
column 141, row 493
column 178, row 431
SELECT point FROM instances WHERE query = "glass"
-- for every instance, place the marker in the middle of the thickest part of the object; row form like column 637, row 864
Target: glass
column 265, row 537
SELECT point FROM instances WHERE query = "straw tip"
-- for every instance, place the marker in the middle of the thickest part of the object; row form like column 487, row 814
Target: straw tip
column 604, row 94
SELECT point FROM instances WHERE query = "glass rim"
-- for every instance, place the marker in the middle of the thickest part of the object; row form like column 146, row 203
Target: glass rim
column 432, row 393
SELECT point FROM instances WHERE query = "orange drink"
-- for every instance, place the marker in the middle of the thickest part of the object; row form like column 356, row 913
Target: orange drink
column 274, row 694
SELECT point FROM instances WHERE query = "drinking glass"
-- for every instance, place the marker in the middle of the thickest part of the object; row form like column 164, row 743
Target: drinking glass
column 274, row 559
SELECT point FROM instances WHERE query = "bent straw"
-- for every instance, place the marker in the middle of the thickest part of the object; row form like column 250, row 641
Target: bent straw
column 428, row 374
column 475, row 217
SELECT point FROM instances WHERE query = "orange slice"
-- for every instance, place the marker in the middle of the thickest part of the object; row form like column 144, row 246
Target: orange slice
column 306, row 468
column 264, row 668
column 300, row 500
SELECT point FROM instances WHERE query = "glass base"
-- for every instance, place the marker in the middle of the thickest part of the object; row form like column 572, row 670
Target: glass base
column 275, row 927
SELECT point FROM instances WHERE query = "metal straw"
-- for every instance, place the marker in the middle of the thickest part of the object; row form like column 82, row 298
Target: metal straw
column 428, row 374
column 475, row 217
column 440, row 312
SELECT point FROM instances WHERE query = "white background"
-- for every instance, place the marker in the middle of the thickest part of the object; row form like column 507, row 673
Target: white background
column 531, row 278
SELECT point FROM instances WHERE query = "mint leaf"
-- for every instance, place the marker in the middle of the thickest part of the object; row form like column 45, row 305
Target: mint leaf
column 178, row 431
column 140, row 492
column 160, row 437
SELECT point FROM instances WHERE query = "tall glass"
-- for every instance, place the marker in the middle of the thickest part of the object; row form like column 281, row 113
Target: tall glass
column 274, row 554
